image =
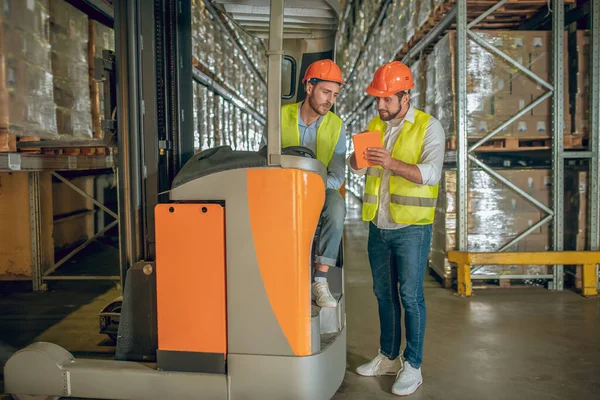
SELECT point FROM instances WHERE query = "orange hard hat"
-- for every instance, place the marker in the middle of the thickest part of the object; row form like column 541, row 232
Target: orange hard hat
column 324, row 70
column 390, row 79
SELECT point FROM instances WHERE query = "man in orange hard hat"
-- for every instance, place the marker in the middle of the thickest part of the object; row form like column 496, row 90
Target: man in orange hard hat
column 399, row 200
column 311, row 124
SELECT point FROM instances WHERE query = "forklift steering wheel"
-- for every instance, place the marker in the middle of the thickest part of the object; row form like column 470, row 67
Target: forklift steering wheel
column 305, row 151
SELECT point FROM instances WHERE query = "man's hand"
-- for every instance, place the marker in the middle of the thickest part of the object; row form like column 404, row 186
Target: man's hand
column 381, row 157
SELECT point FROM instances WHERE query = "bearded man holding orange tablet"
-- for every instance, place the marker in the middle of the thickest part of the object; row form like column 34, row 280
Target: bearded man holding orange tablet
column 399, row 201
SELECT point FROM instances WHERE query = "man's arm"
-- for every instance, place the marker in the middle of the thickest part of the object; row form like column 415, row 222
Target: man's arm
column 336, row 170
column 429, row 170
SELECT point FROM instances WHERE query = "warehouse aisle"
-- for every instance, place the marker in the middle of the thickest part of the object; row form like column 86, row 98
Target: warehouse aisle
column 501, row 344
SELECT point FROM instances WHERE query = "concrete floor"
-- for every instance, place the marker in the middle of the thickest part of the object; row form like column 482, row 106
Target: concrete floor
column 500, row 344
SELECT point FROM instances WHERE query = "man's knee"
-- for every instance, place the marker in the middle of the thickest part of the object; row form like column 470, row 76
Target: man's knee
column 335, row 206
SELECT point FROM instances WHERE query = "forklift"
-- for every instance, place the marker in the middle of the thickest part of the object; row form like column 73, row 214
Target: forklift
column 223, row 310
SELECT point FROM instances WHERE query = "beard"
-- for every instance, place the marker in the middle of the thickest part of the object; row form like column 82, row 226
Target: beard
column 387, row 115
column 320, row 109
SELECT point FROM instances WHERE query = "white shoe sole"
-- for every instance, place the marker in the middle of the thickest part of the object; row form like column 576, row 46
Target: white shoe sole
column 326, row 305
column 410, row 390
column 372, row 375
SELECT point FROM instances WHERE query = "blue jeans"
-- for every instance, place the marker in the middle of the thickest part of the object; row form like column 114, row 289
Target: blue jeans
column 332, row 228
column 400, row 257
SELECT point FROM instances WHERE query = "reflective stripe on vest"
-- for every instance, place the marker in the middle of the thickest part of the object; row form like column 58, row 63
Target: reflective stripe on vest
column 410, row 204
column 327, row 134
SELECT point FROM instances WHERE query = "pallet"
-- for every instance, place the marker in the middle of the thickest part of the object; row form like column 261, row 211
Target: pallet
column 508, row 283
column 8, row 142
column 574, row 276
column 519, row 143
column 13, row 141
column 446, row 282
column 76, row 151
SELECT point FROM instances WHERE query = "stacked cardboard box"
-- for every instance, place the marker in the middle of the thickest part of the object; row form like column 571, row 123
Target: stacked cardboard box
column 580, row 94
column 497, row 214
column 417, row 97
column 69, row 38
column 496, row 89
column 26, row 82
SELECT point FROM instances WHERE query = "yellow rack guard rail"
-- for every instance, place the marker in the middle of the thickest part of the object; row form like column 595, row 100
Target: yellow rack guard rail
column 589, row 260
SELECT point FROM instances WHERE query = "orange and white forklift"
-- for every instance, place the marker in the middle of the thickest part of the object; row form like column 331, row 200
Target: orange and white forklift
column 224, row 309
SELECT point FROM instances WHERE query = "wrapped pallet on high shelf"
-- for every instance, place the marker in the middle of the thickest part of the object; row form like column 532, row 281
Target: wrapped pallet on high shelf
column 27, row 106
column 417, row 95
column 69, row 29
column 496, row 215
column 496, row 89
column 357, row 28
column 101, row 38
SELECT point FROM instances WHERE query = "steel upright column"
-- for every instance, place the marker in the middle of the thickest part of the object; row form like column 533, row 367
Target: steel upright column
column 594, row 197
column 558, row 162
column 128, row 106
column 461, row 113
column 35, row 222
column 183, row 95
column 275, row 56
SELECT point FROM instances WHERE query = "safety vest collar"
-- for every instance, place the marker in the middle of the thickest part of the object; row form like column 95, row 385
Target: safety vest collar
column 329, row 128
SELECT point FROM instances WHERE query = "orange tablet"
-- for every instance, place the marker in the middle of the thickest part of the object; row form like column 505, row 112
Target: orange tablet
column 362, row 141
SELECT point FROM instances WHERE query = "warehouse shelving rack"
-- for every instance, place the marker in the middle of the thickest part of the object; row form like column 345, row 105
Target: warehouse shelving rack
column 202, row 76
column 559, row 154
column 465, row 155
column 58, row 165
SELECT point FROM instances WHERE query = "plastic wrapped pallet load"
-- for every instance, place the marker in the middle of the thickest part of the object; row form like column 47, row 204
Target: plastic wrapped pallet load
column 496, row 89
column 101, row 38
column 26, row 83
column 69, row 29
column 497, row 214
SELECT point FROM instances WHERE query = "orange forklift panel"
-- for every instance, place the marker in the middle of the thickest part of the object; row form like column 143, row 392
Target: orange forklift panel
column 190, row 278
column 285, row 206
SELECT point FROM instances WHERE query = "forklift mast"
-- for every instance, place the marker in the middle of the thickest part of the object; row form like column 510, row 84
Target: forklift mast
column 155, row 123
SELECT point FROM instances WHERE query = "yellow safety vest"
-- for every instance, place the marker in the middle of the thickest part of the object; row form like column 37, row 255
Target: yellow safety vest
column 410, row 204
column 327, row 134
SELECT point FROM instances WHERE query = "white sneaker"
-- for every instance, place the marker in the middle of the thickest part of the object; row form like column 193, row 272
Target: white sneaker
column 321, row 293
column 380, row 365
column 407, row 381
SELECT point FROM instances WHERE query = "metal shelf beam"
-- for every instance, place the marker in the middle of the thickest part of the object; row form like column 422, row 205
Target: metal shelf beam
column 101, row 10
column 10, row 162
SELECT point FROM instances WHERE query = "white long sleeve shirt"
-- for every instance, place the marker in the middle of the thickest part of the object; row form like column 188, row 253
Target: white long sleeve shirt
column 430, row 163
